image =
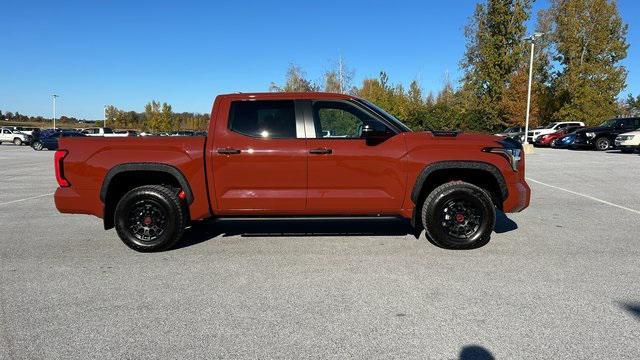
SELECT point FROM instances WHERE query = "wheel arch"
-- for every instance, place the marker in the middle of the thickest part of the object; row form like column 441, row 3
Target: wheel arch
column 124, row 177
column 482, row 174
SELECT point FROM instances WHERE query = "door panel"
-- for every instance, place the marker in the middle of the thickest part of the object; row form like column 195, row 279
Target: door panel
column 354, row 177
column 260, row 165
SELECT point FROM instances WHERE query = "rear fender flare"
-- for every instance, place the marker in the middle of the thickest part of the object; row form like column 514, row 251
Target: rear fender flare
column 151, row 167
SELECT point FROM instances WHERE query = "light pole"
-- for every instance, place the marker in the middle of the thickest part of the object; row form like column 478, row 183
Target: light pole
column 104, row 123
column 532, row 39
column 54, row 96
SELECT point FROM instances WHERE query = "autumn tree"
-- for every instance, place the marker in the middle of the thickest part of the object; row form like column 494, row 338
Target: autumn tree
column 494, row 52
column 295, row 82
column 589, row 43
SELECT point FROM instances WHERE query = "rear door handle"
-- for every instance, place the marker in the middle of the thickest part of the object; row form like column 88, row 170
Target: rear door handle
column 228, row 151
column 320, row 151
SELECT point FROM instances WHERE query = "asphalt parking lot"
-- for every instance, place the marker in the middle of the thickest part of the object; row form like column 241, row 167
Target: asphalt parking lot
column 559, row 280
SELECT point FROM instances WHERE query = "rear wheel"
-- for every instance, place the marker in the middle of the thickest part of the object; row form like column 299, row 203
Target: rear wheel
column 17, row 141
column 554, row 142
column 37, row 145
column 458, row 215
column 602, row 144
column 150, row 218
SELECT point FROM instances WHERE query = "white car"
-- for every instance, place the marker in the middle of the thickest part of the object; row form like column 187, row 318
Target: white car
column 628, row 142
column 105, row 132
column 550, row 129
column 16, row 137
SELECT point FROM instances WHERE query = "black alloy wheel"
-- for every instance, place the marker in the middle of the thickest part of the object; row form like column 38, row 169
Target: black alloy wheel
column 150, row 218
column 458, row 215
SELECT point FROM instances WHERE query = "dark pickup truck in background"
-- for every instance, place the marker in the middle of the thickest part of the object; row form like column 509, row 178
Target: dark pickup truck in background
column 298, row 155
column 603, row 137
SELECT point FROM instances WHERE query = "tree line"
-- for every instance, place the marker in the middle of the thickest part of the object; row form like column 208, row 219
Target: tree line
column 156, row 117
column 578, row 74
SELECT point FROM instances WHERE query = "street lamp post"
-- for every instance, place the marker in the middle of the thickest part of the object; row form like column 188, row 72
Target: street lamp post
column 54, row 96
column 532, row 39
column 104, row 123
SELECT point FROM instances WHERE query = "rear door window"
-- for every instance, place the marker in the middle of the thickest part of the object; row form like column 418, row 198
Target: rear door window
column 268, row 119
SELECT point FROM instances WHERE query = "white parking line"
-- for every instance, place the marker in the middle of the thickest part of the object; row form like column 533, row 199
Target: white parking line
column 25, row 199
column 586, row 196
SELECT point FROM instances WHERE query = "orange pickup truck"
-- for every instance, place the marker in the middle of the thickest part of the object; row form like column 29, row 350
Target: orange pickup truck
column 294, row 155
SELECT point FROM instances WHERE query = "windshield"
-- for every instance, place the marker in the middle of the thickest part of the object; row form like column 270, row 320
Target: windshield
column 550, row 126
column 609, row 123
column 386, row 115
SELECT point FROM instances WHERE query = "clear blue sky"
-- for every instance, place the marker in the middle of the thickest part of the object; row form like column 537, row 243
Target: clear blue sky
column 126, row 53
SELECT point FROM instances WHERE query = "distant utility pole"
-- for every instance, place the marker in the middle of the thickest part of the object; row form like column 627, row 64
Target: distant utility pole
column 532, row 39
column 104, row 123
column 54, row 96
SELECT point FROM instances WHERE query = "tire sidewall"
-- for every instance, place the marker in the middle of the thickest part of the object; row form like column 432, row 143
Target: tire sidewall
column 147, row 194
column 439, row 197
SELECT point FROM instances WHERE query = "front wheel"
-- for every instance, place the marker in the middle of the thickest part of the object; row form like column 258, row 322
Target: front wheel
column 37, row 146
column 458, row 215
column 602, row 144
column 554, row 143
column 150, row 218
column 17, row 141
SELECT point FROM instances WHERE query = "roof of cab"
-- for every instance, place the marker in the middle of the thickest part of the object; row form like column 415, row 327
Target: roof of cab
column 287, row 96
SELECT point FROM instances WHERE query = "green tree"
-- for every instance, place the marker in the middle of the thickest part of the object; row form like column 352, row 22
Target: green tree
column 495, row 51
column 590, row 42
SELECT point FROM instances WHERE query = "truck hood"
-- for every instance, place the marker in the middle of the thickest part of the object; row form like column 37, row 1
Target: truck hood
column 463, row 138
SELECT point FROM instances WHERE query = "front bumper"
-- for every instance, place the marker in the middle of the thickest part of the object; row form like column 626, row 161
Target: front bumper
column 518, row 198
column 583, row 143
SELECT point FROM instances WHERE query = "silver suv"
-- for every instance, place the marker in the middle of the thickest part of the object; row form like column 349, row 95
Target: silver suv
column 16, row 137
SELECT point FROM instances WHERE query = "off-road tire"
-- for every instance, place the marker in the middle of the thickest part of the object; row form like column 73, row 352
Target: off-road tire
column 442, row 200
column 165, row 210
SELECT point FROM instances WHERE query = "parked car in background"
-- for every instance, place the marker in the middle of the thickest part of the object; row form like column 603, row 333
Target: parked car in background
column 49, row 140
column 102, row 131
column 564, row 142
column 549, row 139
column 15, row 137
column 603, row 137
column 22, row 129
column 550, row 129
column 628, row 142
column 514, row 132
column 124, row 133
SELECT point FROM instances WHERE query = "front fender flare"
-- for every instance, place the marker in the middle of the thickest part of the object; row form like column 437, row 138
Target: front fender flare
column 458, row 164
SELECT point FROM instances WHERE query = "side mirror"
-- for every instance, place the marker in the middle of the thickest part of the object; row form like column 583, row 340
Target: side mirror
column 374, row 136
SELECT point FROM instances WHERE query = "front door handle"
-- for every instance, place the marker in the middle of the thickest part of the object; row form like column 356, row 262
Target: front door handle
column 228, row 151
column 320, row 151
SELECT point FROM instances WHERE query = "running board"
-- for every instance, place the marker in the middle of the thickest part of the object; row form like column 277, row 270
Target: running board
column 307, row 218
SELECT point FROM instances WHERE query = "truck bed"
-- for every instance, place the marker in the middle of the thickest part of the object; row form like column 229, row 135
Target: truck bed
column 89, row 160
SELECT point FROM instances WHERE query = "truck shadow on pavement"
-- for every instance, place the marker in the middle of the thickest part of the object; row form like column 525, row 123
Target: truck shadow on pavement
column 475, row 352
column 633, row 308
column 210, row 229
